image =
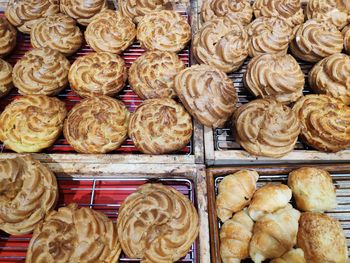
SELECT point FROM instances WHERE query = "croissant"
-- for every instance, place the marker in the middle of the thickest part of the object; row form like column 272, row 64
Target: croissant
column 292, row 256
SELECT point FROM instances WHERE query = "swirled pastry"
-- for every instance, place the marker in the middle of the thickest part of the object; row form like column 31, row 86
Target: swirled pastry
column 331, row 76
column 97, row 125
column 24, row 14
column 98, row 74
column 152, row 74
column 41, row 71
column 74, row 234
column 58, row 32
column 207, row 93
column 157, row 224
column 8, row 36
column 265, row 127
column 110, row 32
column 325, row 122
column 346, row 33
column 221, row 43
column 276, row 76
column 32, row 123
column 28, row 191
column 160, row 126
column 164, row 30
column 5, row 78
column 316, row 40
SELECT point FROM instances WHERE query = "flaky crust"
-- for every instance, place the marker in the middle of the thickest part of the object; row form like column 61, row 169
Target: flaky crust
column 97, row 125
column 157, row 224
column 41, row 71
column 110, row 32
column 160, row 126
column 292, row 256
column 207, row 93
column 152, row 74
column 164, row 30
column 275, row 76
column 5, row 78
column 325, row 122
column 346, row 34
column 28, row 191
column 8, row 36
column 74, row 234
column 221, row 43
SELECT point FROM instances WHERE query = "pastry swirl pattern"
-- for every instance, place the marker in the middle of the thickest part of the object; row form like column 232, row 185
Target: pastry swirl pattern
column 5, row 78
column 346, row 34
column 8, row 36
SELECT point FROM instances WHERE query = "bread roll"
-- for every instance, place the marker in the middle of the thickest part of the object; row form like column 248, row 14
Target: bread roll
column 8, row 35
column 346, row 34
column 292, row 256
column 5, row 78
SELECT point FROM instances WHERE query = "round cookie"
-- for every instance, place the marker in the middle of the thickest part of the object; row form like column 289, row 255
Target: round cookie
column 8, row 35
column 5, row 78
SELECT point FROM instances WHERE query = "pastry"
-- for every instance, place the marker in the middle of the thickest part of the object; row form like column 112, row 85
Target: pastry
column 322, row 239
column 164, row 31
column 316, row 40
column 97, row 125
column 269, row 35
column 28, row 191
column 265, row 127
column 5, row 78
column 235, row 235
column 275, row 76
column 24, row 14
column 58, row 32
column 8, row 36
column 292, row 256
column 74, row 234
column 268, row 199
column 41, row 71
column 221, row 43
column 236, row 10
column 157, row 224
column 235, row 192
column 325, row 122
column 97, row 74
column 110, row 32
column 152, row 74
column 207, row 93
column 160, row 126
column 32, row 123
column 331, row 76
column 346, row 34
column 313, row 189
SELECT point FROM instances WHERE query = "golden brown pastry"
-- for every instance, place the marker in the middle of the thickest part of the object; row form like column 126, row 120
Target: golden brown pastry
column 346, row 34
column 275, row 76
column 28, row 191
column 207, row 93
column 160, row 126
column 265, row 127
column 32, row 123
column 164, row 30
column 221, row 43
column 321, row 238
column 110, row 32
column 152, row 74
column 97, row 125
column 235, row 192
column 8, row 36
column 74, row 234
column 316, row 40
column 58, row 32
column 157, row 224
column 5, row 78
column 41, row 71
column 292, row 256
column 98, row 74
column 24, row 14
column 325, row 122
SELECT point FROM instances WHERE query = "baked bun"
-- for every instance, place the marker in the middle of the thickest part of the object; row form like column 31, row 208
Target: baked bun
column 265, row 127
column 164, row 31
column 221, row 43
column 5, row 78
column 24, row 14
column 97, row 125
column 58, row 32
column 32, row 123
column 275, row 76
column 316, row 40
column 160, row 126
column 157, row 224
column 152, row 74
column 325, row 122
column 41, row 71
column 346, row 33
column 98, row 74
column 207, row 93
column 292, row 256
column 110, row 32
column 8, row 35
column 28, row 191
column 74, row 234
